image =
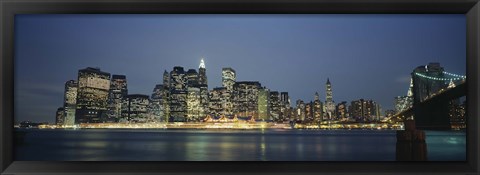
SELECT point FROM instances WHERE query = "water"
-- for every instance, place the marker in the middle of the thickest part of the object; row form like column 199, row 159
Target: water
column 227, row 145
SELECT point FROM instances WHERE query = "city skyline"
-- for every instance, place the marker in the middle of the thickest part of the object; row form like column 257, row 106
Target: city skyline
column 271, row 78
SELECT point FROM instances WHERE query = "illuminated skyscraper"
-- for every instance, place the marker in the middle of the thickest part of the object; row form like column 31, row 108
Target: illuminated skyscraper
column 363, row 110
column 402, row 103
column 329, row 103
column 218, row 98
column 118, row 90
column 274, row 105
column 166, row 96
column 156, row 104
column 263, row 104
column 70, row 102
column 178, row 95
column 285, row 106
column 135, row 108
column 202, row 73
column 317, row 108
column 228, row 80
column 342, row 112
column 300, row 110
column 246, row 98
column 193, row 104
column 60, row 117
column 92, row 95
column 309, row 112
column 203, row 85
column 192, row 78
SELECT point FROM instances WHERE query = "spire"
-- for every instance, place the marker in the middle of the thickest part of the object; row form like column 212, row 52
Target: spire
column 410, row 92
column 451, row 84
column 202, row 64
column 328, row 81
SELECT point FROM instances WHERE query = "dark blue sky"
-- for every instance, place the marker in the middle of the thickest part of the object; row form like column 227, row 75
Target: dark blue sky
column 365, row 56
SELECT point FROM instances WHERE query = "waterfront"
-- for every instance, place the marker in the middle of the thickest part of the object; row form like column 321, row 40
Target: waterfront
column 227, row 145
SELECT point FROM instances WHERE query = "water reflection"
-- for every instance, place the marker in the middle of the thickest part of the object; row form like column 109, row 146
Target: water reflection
column 208, row 145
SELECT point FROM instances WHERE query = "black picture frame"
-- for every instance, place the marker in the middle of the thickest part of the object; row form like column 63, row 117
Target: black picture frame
column 9, row 8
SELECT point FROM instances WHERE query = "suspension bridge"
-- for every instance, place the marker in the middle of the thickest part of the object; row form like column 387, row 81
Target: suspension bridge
column 428, row 99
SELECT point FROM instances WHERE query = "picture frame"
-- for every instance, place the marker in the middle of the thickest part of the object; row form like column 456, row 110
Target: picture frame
column 11, row 7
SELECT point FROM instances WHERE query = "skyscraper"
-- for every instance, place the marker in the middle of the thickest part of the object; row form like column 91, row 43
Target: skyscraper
column 118, row 90
column 203, row 85
column 246, row 98
column 92, row 95
column 342, row 112
column 60, row 117
column 317, row 108
column 70, row 102
column 192, row 78
column 363, row 110
column 285, row 106
column 178, row 95
column 166, row 96
column 263, row 104
column 274, row 105
column 135, row 108
column 202, row 73
column 217, row 98
column 309, row 112
column 329, row 103
column 156, row 103
column 193, row 104
column 228, row 80
column 300, row 110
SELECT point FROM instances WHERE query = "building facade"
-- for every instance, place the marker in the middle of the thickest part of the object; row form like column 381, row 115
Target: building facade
column 363, row 110
column 155, row 109
column 264, row 104
column 246, row 98
column 70, row 102
column 118, row 90
column 217, row 102
column 193, row 105
column 135, row 108
column 274, row 103
column 92, row 95
column 203, row 85
column 59, row 116
column 329, row 103
column 317, row 108
column 228, row 80
column 178, row 95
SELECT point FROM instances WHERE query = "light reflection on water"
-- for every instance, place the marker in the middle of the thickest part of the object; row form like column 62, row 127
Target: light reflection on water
column 228, row 145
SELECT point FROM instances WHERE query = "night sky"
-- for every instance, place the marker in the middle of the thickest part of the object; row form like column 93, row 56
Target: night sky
column 365, row 56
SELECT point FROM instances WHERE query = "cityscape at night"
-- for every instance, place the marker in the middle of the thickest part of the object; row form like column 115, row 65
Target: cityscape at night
column 218, row 85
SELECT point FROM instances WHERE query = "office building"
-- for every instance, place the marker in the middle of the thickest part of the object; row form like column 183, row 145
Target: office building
column 246, row 98
column 70, row 102
column 217, row 101
column 264, row 104
column 155, row 108
column 274, row 103
column 329, row 103
column 135, row 108
column 317, row 108
column 118, row 90
column 60, row 117
column 228, row 80
column 193, row 105
column 92, row 95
